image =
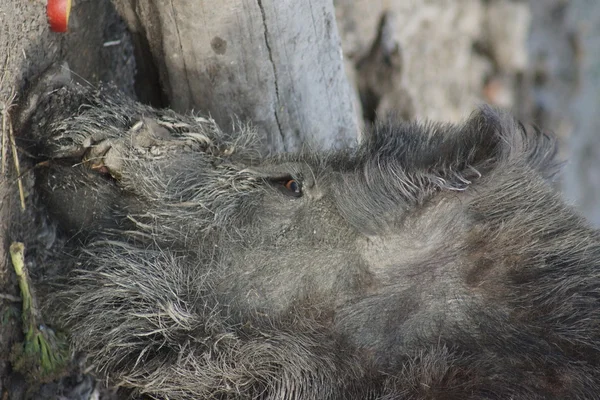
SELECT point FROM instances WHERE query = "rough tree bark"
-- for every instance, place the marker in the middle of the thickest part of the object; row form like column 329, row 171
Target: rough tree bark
column 277, row 63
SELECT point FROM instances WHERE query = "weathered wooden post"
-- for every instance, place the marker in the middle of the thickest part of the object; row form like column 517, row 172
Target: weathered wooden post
column 276, row 63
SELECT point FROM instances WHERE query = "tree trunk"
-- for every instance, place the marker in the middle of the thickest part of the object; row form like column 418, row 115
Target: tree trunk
column 275, row 63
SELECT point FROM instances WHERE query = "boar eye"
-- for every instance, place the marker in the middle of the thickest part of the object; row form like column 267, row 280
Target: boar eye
column 287, row 185
column 293, row 186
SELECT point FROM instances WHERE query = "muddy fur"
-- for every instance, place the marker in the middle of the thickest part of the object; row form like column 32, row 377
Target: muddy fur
column 433, row 261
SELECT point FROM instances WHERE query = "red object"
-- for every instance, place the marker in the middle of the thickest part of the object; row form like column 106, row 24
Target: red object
column 58, row 14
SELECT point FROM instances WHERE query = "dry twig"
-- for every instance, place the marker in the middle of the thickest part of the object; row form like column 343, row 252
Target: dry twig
column 16, row 161
column 4, row 113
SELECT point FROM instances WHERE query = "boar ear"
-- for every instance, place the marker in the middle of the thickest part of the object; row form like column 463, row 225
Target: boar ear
column 512, row 141
column 424, row 157
column 487, row 139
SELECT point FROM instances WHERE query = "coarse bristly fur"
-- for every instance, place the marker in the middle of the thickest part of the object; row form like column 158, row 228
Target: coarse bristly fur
column 433, row 261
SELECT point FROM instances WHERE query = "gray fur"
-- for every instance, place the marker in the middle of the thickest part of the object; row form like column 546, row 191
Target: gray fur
column 433, row 261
